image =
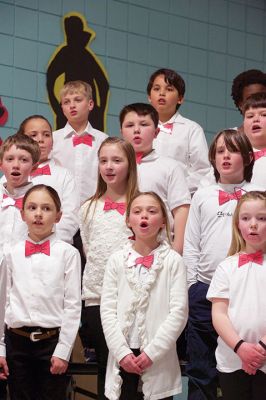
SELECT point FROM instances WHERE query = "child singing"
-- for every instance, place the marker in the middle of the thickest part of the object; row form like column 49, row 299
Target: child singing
column 237, row 292
column 144, row 307
column 103, row 231
column 42, row 303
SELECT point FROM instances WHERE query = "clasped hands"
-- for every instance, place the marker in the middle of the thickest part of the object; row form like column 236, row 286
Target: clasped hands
column 135, row 364
column 253, row 356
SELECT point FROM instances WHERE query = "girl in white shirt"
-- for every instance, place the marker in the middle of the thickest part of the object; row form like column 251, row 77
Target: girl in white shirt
column 144, row 307
column 49, row 173
column 237, row 292
column 103, row 231
column 42, row 303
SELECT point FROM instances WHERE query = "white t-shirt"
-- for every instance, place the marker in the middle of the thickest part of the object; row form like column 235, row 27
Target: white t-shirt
column 81, row 160
column 186, row 143
column 244, row 287
column 209, row 230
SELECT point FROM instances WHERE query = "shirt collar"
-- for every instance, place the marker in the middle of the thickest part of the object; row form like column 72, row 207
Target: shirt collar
column 69, row 131
column 150, row 157
column 177, row 117
column 231, row 187
column 51, row 237
column 18, row 192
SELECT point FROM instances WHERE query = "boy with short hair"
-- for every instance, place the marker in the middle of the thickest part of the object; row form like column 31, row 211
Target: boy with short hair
column 179, row 138
column 76, row 145
column 19, row 155
column 245, row 84
column 162, row 175
column 254, row 110
column 207, row 241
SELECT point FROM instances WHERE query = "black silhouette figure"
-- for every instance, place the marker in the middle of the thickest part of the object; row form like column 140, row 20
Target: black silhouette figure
column 78, row 62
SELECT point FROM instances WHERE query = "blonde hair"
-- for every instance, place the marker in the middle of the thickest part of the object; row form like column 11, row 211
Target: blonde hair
column 22, row 142
column 238, row 243
column 72, row 87
column 157, row 198
column 132, row 185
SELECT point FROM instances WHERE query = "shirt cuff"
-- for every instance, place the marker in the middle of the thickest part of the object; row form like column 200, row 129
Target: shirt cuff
column 62, row 351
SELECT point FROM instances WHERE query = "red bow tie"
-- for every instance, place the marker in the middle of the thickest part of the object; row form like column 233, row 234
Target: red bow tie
column 85, row 139
column 253, row 257
column 146, row 261
column 9, row 201
column 259, row 154
column 139, row 157
column 224, row 197
column 41, row 171
column 112, row 205
column 32, row 248
column 166, row 128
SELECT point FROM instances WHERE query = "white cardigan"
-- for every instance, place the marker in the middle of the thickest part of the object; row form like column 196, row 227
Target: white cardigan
column 162, row 307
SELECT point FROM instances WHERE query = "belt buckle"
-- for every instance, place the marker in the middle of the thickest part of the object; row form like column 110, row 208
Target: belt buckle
column 33, row 338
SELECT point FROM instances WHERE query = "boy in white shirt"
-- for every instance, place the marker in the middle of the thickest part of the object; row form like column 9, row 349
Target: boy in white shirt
column 162, row 175
column 76, row 145
column 19, row 155
column 254, row 110
column 179, row 138
column 207, row 241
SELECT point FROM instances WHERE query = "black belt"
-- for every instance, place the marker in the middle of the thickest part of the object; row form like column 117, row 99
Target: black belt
column 35, row 333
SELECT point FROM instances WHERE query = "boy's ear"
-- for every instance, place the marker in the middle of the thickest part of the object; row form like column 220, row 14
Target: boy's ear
column 180, row 100
column 91, row 104
column 157, row 130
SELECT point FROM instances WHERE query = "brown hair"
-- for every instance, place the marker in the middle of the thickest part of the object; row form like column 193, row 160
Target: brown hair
column 51, row 191
column 21, row 128
column 256, row 100
column 76, row 87
column 237, row 243
column 132, row 185
column 162, row 205
column 22, row 142
column 142, row 109
column 171, row 78
column 235, row 141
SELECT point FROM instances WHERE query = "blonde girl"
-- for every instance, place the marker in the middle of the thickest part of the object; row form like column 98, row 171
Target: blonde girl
column 237, row 292
column 144, row 307
column 103, row 231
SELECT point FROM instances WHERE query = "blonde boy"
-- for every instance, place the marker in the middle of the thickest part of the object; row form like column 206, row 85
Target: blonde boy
column 19, row 155
column 163, row 175
column 254, row 110
column 76, row 145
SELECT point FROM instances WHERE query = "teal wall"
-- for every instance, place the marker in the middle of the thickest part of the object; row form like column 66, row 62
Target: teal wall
column 207, row 41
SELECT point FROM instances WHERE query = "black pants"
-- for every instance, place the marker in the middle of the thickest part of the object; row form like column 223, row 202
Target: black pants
column 201, row 345
column 240, row 385
column 92, row 329
column 29, row 369
column 129, row 388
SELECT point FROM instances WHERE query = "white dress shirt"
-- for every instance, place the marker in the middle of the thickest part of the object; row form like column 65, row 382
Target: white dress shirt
column 12, row 227
column 62, row 180
column 44, row 291
column 259, row 170
column 187, row 144
column 81, row 160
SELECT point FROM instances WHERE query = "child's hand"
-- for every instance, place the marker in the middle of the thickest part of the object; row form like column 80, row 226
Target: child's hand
column 58, row 366
column 250, row 355
column 261, row 350
column 128, row 363
column 4, row 368
column 143, row 361
column 248, row 369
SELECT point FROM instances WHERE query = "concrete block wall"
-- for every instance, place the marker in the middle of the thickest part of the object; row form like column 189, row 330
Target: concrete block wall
column 207, row 41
